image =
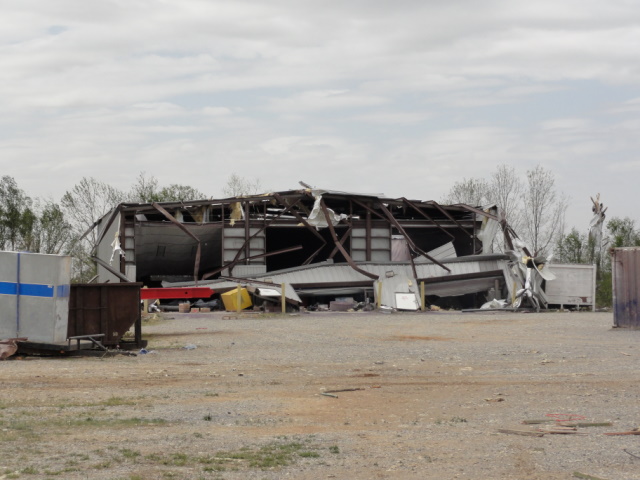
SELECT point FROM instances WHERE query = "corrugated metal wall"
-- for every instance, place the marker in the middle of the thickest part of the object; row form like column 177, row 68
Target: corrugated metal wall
column 626, row 286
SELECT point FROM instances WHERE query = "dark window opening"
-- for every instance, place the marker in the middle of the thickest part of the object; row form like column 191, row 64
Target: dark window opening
column 278, row 238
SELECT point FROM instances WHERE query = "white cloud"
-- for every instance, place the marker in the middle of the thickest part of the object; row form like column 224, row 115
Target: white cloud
column 216, row 111
column 310, row 101
column 382, row 96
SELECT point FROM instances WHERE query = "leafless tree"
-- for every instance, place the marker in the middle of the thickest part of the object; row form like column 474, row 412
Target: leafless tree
column 89, row 200
column 505, row 190
column 543, row 211
column 238, row 186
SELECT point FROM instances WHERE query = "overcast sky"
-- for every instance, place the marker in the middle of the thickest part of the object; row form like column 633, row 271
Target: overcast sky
column 394, row 97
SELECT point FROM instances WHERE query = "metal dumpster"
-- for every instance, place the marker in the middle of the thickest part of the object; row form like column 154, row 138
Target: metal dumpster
column 34, row 296
column 625, row 267
column 106, row 308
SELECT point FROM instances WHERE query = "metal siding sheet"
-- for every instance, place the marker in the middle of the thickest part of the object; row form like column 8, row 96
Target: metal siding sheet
column 380, row 243
column 380, row 232
column 248, row 270
column 625, row 265
column 380, row 256
column 358, row 243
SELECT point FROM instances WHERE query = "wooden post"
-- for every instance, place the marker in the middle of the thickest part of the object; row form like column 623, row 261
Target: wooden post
column 284, row 299
column 422, row 304
column 239, row 299
column 379, row 294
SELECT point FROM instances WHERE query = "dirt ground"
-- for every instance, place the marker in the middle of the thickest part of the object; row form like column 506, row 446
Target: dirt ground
column 314, row 396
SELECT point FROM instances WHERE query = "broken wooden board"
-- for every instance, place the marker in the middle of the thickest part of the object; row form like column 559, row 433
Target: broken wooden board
column 526, row 433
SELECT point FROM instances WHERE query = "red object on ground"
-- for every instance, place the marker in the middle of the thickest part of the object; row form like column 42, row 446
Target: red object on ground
column 192, row 292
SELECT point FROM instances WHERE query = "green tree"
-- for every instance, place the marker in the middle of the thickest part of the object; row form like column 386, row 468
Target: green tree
column 572, row 248
column 54, row 232
column 470, row 191
column 146, row 189
column 17, row 219
column 623, row 233
column 179, row 193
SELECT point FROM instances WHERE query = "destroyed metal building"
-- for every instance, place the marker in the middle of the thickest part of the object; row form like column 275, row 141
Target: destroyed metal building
column 320, row 243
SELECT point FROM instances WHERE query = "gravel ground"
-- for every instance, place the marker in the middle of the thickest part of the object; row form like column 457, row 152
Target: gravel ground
column 425, row 397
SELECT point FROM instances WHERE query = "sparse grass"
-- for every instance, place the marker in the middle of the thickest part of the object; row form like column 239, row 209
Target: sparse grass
column 458, row 420
column 279, row 453
column 334, row 449
column 309, row 454
column 130, row 454
column 111, row 422
column 102, row 465
column 177, row 460
column 109, row 402
column 451, row 421
column 117, row 401
column 275, row 454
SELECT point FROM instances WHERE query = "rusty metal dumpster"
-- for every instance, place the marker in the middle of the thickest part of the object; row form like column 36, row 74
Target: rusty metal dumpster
column 106, row 308
column 625, row 265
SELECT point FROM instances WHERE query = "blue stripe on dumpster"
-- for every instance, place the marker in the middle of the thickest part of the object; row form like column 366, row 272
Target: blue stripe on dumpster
column 34, row 290
column 8, row 288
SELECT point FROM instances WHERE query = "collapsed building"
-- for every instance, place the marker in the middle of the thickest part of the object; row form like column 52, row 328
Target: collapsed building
column 320, row 244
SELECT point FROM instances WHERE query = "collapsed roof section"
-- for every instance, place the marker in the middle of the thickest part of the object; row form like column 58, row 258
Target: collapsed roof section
column 206, row 238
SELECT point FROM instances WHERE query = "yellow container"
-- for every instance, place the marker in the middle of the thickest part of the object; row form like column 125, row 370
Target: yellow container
column 230, row 300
